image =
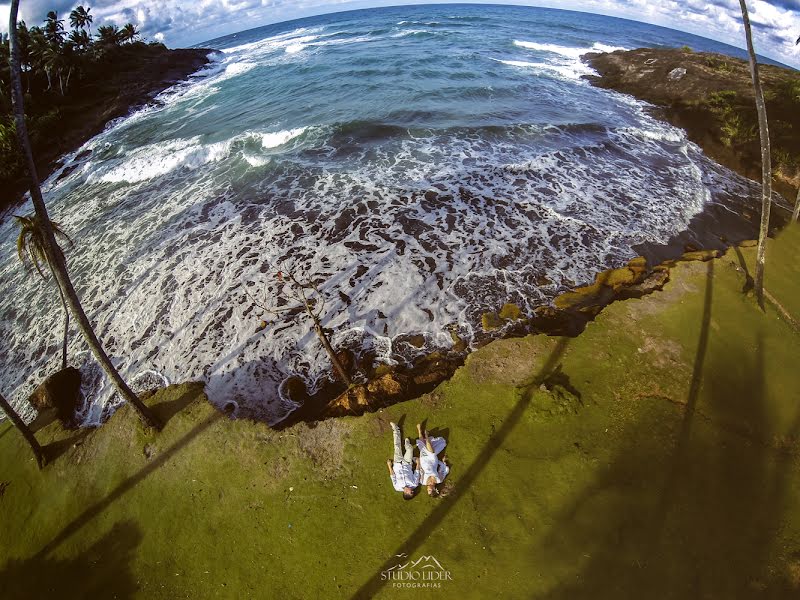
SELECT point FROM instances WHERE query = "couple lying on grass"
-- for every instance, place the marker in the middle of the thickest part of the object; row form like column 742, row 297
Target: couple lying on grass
column 431, row 470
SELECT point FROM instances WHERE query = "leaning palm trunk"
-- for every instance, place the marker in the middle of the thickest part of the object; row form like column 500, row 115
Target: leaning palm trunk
column 24, row 430
column 54, row 255
column 796, row 212
column 66, row 322
column 766, row 160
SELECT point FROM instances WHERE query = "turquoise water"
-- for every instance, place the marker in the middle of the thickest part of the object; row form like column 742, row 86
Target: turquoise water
column 422, row 164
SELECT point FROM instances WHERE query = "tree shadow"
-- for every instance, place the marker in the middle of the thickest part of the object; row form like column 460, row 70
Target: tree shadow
column 167, row 409
column 101, row 571
column 692, row 396
column 55, row 450
column 697, row 518
column 749, row 283
column 525, row 394
column 98, row 507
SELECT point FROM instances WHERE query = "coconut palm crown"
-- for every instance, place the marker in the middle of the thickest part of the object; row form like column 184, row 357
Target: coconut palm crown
column 30, row 242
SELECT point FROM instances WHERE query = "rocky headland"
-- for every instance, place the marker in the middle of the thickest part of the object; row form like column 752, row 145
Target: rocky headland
column 128, row 78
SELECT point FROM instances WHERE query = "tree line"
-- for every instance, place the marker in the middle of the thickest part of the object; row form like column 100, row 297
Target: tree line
column 50, row 56
column 59, row 60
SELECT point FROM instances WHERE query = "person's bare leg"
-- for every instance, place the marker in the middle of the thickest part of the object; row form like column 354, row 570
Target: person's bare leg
column 423, row 435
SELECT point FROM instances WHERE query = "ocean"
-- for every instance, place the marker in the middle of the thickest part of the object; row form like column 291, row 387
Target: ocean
column 422, row 164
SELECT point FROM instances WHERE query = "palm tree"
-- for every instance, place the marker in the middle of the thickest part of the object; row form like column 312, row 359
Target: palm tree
column 52, row 253
column 30, row 249
column 108, row 35
column 128, row 33
column 766, row 160
column 80, row 18
column 54, row 28
column 80, row 39
column 24, row 430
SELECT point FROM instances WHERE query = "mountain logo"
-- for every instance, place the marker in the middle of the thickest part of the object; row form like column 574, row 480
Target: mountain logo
column 424, row 572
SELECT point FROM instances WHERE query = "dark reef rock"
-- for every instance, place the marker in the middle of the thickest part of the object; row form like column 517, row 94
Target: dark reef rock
column 59, row 394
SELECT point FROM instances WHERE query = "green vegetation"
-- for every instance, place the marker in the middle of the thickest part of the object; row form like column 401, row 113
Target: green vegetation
column 31, row 251
column 734, row 127
column 59, row 69
column 654, row 456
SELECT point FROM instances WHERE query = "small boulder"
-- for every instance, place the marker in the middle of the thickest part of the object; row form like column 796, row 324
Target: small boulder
column 491, row 321
column 60, row 392
column 677, row 74
column 295, row 389
column 459, row 344
column 418, row 341
column 510, row 312
column 701, row 255
column 388, row 386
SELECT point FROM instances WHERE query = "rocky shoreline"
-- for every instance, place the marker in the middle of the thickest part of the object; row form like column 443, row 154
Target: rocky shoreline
column 144, row 74
column 710, row 96
column 567, row 316
column 707, row 95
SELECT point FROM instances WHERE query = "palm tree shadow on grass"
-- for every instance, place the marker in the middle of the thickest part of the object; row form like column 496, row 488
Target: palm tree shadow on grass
column 123, row 488
column 101, row 571
column 693, row 519
column 525, row 392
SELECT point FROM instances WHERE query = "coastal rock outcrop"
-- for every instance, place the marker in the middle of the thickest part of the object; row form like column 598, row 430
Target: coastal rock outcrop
column 59, row 395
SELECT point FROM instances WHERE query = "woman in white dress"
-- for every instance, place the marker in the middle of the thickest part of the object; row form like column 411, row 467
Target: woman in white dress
column 432, row 469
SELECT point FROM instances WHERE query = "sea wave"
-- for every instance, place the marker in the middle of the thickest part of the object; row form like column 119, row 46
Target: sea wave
column 168, row 157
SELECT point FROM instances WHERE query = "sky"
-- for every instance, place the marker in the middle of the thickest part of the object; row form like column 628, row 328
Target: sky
column 776, row 23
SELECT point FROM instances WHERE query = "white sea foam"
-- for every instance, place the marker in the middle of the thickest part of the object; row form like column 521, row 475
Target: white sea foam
column 156, row 160
column 563, row 61
column 410, row 32
column 279, row 138
column 571, row 71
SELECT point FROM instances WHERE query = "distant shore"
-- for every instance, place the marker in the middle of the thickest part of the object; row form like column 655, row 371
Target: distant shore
column 139, row 73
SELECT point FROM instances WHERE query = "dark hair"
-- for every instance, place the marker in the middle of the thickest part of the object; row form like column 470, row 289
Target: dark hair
column 408, row 495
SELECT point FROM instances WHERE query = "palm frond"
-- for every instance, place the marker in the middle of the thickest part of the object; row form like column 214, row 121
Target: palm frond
column 30, row 243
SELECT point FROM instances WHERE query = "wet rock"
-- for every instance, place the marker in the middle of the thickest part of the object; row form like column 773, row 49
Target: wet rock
column 418, row 341
column 510, row 312
column 491, row 321
column 653, row 282
column 358, row 399
column 384, row 369
column 701, row 255
column 459, row 344
column 59, row 393
column 386, row 387
column 295, row 389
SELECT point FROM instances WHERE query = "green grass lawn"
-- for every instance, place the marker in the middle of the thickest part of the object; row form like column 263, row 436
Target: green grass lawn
column 654, row 456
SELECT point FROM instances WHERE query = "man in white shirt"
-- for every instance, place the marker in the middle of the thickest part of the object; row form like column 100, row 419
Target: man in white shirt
column 404, row 477
column 432, row 470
